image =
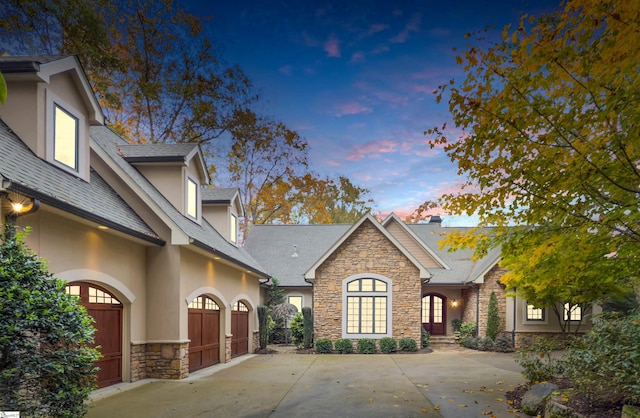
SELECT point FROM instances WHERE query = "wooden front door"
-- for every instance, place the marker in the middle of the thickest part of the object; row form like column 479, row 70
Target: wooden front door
column 239, row 330
column 434, row 313
column 204, row 333
column 106, row 310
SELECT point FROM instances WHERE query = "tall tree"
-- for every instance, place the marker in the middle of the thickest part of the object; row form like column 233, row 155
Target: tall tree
column 551, row 125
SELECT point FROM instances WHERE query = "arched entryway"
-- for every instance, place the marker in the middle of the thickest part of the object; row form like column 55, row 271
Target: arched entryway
column 434, row 313
column 239, row 329
column 204, row 333
column 106, row 310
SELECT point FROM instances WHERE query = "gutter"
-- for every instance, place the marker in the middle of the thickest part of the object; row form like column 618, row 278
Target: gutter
column 66, row 207
column 220, row 254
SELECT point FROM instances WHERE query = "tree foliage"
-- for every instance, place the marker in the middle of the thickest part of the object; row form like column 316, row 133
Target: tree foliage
column 550, row 143
column 46, row 360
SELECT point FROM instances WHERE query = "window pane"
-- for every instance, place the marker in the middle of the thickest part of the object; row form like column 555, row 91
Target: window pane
column 380, row 315
column 240, row 307
column 296, row 301
column 367, row 285
column 572, row 313
column 210, row 305
column 234, row 229
column 426, row 306
column 65, row 139
column 353, row 315
column 98, row 296
column 192, row 198
column 380, row 286
column 353, row 286
column 73, row 290
column 366, row 312
column 437, row 310
column 534, row 314
column 196, row 303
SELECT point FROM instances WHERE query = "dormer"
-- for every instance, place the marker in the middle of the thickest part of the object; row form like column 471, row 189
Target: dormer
column 50, row 106
column 222, row 207
column 178, row 171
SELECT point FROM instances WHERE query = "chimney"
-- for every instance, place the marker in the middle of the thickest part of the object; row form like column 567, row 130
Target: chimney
column 435, row 219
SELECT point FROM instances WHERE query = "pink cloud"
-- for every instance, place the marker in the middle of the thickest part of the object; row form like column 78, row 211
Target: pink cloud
column 332, row 46
column 372, row 149
column 376, row 28
column 351, row 108
column 333, row 163
column 412, row 26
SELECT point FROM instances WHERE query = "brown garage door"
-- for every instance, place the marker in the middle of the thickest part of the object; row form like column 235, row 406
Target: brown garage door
column 106, row 310
column 204, row 333
column 239, row 329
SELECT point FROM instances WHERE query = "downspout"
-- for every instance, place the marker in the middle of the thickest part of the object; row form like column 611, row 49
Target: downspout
column 477, row 310
column 513, row 329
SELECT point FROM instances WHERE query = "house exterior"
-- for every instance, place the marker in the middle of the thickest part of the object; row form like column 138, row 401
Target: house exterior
column 389, row 279
column 153, row 251
column 133, row 229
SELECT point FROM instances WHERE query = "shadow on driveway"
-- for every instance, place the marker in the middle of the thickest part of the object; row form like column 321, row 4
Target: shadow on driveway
column 447, row 383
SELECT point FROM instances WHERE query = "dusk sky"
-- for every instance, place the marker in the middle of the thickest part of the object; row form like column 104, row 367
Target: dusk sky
column 355, row 79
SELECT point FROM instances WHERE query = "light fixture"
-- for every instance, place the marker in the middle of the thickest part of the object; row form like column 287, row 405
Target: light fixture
column 103, row 227
column 454, row 303
column 20, row 205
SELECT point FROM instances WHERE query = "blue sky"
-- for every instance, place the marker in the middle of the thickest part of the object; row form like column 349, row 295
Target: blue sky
column 355, row 79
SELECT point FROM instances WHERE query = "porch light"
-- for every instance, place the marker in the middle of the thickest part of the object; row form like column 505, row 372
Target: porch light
column 454, row 303
column 21, row 205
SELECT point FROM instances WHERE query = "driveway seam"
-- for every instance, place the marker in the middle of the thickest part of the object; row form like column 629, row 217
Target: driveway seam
column 293, row 385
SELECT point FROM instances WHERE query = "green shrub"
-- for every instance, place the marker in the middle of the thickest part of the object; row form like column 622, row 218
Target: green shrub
column 467, row 329
column 307, row 339
column 485, row 344
column 503, row 344
column 324, row 346
column 426, row 338
column 408, row 344
column 538, row 362
column 469, row 342
column 605, row 363
column 455, row 324
column 366, row 346
column 46, row 362
column 263, row 326
column 344, row 346
column 493, row 317
column 388, row 345
column 297, row 329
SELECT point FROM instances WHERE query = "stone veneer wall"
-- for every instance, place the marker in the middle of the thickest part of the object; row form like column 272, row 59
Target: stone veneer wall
column 168, row 360
column 256, row 340
column 138, row 361
column 470, row 299
column 227, row 348
column 367, row 250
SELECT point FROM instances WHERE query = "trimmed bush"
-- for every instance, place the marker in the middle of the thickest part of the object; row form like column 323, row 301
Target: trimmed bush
column 366, row 346
column 469, row 342
column 426, row 338
column 467, row 329
column 485, row 344
column 297, row 330
column 324, row 346
column 263, row 326
column 493, row 317
column 408, row 344
column 455, row 324
column 388, row 345
column 344, row 346
column 503, row 343
column 307, row 339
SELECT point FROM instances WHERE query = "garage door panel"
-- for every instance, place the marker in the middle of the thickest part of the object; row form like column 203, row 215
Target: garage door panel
column 204, row 333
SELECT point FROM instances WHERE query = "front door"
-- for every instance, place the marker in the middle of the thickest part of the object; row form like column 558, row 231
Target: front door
column 434, row 313
column 106, row 310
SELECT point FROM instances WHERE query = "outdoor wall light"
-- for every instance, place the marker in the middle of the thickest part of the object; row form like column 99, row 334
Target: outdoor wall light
column 454, row 303
column 20, row 205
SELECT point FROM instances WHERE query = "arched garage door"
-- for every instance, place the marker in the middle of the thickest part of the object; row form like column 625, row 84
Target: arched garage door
column 106, row 310
column 204, row 333
column 239, row 329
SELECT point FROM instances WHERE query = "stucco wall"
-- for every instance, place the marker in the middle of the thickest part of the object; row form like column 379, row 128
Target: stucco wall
column 367, row 250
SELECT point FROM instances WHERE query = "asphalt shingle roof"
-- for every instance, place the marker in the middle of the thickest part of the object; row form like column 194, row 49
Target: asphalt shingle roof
column 94, row 200
column 273, row 247
column 203, row 233
column 153, row 152
column 219, row 194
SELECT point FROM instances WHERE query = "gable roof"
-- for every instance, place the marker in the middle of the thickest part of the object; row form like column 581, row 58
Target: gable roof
column 274, row 247
column 311, row 273
column 222, row 196
column 393, row 218
column 164, row 153
column 95, row 201
column 184, row 231
column 43, row 68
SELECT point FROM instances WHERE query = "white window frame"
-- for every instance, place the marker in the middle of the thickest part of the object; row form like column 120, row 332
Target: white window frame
column 54, row 101
column 388, row 294
column 233, row 229
column 525, row 317
column 187, row 195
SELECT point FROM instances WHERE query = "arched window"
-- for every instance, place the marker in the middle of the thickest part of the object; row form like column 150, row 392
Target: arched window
column 367, row 307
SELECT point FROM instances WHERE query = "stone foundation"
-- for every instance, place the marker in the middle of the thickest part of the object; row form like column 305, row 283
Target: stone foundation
column 227, row 348
column 256, row 340
column 138, row 361
column 167, row 360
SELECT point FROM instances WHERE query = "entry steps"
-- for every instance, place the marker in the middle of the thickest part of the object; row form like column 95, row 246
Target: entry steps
column 443, row 341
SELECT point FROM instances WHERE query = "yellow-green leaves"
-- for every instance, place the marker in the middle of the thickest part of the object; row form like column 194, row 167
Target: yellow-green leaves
column 3, row 89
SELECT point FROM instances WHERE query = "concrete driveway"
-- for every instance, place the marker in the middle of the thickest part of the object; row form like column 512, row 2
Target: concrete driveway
column 445, row 383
